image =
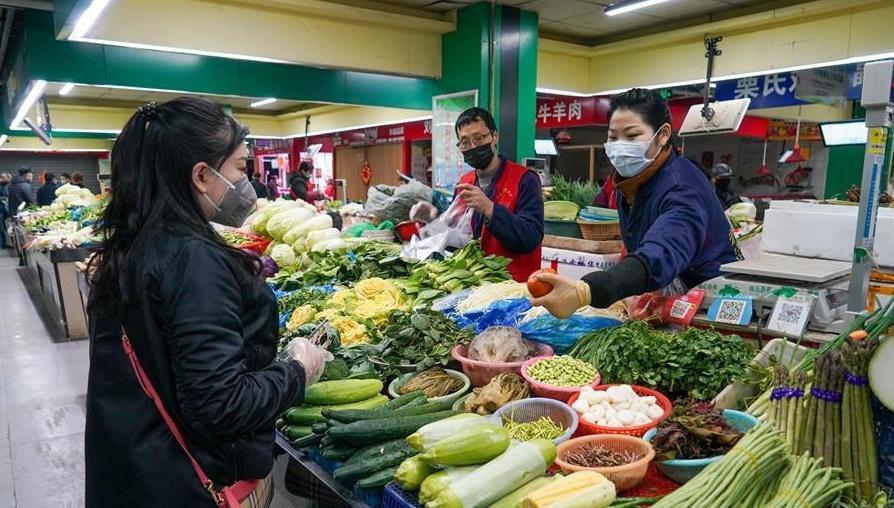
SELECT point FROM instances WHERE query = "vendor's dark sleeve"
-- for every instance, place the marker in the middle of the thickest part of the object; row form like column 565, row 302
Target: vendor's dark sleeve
column 521, row 231
column 627, row 278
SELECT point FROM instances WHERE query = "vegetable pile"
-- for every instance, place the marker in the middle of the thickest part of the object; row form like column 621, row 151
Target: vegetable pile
column 345, row 266
column 694, row 363
column 617, row 406
column 467, row 267
column 501, row 390
column 597, row 455
column 562, row 371
column 694, row 430
column 580, row 193
column 500, row 344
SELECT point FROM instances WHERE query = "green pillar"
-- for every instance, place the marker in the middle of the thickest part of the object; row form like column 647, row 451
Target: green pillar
column 494, row 51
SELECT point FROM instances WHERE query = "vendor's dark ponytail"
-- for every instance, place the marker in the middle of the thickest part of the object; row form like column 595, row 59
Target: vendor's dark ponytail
column 151, row 164
column 648, row 103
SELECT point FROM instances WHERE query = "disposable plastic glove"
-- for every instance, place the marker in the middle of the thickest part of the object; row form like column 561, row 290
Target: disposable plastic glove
column 566, row 296
column 311, row 356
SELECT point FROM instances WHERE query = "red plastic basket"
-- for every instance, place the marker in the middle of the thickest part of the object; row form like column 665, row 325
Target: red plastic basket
column 586, row 428
column 482, row 372
column 551, row 391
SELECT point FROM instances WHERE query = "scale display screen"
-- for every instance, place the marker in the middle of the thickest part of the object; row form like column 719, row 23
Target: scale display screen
column 844, row 133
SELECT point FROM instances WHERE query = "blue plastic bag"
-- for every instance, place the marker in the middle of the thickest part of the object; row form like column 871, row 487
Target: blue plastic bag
column 562, row 334
column 500, row 313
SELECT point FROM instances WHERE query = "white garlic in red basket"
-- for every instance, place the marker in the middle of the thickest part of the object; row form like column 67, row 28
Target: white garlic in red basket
column 618, row 407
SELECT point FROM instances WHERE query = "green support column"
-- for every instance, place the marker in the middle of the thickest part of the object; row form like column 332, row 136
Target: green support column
column 503, row 69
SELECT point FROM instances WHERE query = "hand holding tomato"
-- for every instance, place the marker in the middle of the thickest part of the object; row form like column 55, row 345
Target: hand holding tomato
column 563, row 296
column 537, row 287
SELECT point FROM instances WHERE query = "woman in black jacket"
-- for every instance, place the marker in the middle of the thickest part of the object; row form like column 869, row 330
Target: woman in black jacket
column 202, row 322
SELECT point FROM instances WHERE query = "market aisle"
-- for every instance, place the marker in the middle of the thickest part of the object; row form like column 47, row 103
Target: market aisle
column 42, row 390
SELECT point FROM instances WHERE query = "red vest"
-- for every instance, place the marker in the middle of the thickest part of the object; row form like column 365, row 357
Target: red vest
column 506, row 194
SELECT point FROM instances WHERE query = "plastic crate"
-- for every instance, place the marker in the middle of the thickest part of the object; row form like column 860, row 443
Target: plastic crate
column 396, row 497
column 734, row 394
column 372, row 497
column 316, row 455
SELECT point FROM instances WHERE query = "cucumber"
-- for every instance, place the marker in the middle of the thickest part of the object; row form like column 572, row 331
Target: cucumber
column 377, row 450
column 379, row 479
column 343, row 391
column 339, row 453
column 280, row 423
column 294, row 432
column 365, row 432
column 319, row 428
column 362, row 469
column 355, row 415
column 405, row 399
column 309, row 415
column 307, row 441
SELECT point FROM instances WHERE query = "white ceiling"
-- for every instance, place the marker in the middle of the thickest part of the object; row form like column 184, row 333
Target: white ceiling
column 81, row 93
column 585, row 20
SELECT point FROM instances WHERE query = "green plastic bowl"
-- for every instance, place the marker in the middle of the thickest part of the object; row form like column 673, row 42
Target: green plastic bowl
column 448, row 400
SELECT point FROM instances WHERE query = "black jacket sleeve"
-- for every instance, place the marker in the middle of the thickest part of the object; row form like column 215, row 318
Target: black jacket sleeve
column 218, row 395
column 627, row 278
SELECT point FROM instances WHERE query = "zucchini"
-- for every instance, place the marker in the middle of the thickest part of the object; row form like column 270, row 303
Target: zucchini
column 294, row 432
column 365, row 432
column 410, row 409
column 379, row 479
column 429, row 435
column 339, row 453
column 343, row 391
column 309, row 415
column 514, row 499
column 475, row 445
column 376, row 450
column 319, row 428
column 412, row 472
column 362, row 469
column 439, row 481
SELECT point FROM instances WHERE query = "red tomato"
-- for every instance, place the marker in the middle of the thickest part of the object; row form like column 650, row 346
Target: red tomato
column 538, row 288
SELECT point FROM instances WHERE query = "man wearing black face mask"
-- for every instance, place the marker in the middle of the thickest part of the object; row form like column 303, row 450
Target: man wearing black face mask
column 506, row 196
column 722, row 177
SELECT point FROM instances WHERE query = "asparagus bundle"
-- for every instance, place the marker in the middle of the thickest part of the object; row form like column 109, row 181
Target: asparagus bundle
column 858, row 438
column 827, row 430
column 778, row 409
column 808, row 485
column 740, row 478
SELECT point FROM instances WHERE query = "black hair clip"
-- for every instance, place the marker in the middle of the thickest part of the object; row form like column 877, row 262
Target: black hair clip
column 149, row 111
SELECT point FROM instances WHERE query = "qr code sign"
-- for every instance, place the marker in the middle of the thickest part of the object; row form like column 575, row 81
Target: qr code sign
column 731, row 311
column 679, row 309
column 790, row 316
column 790, row 313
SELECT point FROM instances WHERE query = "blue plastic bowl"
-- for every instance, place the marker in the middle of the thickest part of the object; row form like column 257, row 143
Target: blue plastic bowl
column 683, row 470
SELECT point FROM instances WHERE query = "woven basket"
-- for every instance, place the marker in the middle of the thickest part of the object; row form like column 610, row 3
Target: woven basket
column 600, row 231
column 624, row 477
column 586, row 428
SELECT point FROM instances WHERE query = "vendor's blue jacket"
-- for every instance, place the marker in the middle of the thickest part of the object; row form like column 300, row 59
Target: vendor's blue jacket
column 677, row 226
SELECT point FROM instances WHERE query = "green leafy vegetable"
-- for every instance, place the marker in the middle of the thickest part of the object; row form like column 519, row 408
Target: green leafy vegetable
column 580, row 193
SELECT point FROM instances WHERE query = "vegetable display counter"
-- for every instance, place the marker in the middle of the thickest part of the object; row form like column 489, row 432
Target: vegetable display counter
column 52, row 280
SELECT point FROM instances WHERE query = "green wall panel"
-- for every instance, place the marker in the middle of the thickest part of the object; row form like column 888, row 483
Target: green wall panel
column 465, row 54
column 171, row 71
column 527, row 85
column 385, row 90
column 286, row 81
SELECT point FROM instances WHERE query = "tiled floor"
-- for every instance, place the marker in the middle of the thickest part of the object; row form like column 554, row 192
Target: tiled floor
column 42, row 390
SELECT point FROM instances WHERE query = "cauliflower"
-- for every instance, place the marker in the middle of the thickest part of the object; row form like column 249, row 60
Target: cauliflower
column 283, row 255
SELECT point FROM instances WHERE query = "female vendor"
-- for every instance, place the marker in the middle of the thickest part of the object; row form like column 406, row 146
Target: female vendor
column 673, row 226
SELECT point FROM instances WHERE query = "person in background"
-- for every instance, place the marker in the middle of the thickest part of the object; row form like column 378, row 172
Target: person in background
column 330, row 190
column 506, row 196
column 65, row 178
column 169, row 294
column 260, row 189
column 272, row 187
column 672, row 225
column 301, row 186
column 77, row 179
column 5, row 178
column 21, row 191
column 722, row 177
column 605, row 198
column 47, row 193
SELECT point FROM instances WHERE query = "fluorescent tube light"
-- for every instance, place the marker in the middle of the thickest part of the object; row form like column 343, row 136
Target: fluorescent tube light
column 87, row 19
column 631, row 5
column 37, row 88
column 3, row 139
column 263, row 102
column 66, row 88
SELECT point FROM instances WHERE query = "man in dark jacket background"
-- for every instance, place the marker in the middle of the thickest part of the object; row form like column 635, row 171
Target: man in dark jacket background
column 20, row 190
column 4, row 208
column 47, row 193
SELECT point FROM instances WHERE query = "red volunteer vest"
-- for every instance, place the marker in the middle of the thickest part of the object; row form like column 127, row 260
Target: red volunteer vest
column 506, row 194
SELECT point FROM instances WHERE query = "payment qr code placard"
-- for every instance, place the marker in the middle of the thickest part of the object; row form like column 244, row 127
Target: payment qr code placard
column 734, row 310
column 790, row 315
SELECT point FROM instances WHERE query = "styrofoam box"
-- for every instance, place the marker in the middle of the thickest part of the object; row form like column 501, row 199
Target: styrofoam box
column 823, row 231
column 576, row 264
column 735, row 393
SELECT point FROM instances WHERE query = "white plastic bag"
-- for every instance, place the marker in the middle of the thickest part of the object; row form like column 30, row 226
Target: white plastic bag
column 455, row 224
column 311, row 356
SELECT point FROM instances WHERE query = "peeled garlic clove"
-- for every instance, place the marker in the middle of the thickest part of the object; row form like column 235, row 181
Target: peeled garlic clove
column 641, row 419
column 602, row 423
column 613, row 423
column 621, row 405
column 581, row 406
column 610, row 414
column 638, row 408
column 598, row 411
column 591, row 417
column 648, row 400
column 617, row 394
column 654, row 412
column 626, row 417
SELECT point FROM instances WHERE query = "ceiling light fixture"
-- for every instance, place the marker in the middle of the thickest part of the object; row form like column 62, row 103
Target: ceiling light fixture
column 66, row 88
column 87, row 19
column 630, row 5
column 3, row 139
column 37, row 88
column 263, row 102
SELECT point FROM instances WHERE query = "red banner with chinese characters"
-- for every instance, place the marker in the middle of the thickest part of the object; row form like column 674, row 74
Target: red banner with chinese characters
column 385, row 134
column 557, row 111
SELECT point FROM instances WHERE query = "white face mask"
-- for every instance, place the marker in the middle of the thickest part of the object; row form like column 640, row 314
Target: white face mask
column 629, row 157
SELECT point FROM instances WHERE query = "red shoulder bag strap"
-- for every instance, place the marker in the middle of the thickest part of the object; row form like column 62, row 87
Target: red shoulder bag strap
column 224, row 498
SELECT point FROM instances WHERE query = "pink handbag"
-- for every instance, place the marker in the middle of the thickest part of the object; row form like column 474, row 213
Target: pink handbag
column 227, row 497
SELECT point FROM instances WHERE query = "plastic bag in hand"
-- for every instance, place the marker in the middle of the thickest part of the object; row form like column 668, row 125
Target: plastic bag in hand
column 455, row 224
column 311, row 356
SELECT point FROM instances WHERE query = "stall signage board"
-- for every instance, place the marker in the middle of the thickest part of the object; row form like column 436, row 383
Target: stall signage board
column 384, row 134
column 558, row 111
column 822, row 86
column 447, row 159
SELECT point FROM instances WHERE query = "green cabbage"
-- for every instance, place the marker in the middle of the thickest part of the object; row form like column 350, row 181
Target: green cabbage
column 283, row 255
column 282, row 222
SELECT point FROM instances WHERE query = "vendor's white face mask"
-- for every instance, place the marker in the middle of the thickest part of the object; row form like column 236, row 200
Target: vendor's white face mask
column 629, row 157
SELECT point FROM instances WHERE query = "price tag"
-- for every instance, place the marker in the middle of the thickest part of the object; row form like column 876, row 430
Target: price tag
column 732, row 310
column 790, row 315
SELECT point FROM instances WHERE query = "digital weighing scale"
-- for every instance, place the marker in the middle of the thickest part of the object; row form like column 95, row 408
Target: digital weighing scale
column 764, row 278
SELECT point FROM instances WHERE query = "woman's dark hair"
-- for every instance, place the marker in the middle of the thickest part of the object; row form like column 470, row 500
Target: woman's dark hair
column 472, row 115
column 151, row 164
column 648, row 103
column 77, row 177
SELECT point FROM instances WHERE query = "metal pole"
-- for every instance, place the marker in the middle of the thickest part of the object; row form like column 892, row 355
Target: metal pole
column 876, row 99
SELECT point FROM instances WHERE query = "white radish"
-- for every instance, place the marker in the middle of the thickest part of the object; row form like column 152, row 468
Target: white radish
column 881, row 375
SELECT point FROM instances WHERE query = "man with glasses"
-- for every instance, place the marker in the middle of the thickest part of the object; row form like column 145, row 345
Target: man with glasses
column 506, row 196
